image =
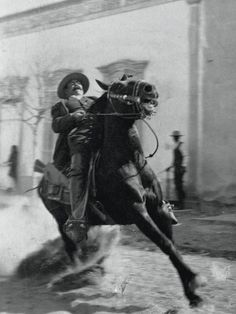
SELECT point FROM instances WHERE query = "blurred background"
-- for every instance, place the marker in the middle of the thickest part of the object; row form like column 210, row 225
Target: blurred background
column 185, row 47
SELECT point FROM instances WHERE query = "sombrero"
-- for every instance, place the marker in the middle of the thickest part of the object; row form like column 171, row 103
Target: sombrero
column 70, row 77
column 176, row 133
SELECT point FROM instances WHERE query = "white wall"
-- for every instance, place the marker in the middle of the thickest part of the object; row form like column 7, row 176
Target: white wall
column 218, row 143
column 157, row 34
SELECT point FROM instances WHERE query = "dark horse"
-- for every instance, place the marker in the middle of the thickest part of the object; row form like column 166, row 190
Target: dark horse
column 126, row 185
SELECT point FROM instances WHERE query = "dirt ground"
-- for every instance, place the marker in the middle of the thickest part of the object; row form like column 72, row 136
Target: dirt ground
column 136, row 281
column 138, row 278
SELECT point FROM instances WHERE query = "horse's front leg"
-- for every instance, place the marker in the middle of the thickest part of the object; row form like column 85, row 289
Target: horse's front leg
column 190, row 280
column 154, row 202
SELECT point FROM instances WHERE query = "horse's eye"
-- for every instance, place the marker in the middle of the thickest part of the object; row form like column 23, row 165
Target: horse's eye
column 154, row 102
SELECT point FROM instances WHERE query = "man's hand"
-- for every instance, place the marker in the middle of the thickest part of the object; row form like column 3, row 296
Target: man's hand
column 79, row 114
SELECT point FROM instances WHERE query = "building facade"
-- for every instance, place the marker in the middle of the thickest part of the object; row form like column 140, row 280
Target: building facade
column 173, row 44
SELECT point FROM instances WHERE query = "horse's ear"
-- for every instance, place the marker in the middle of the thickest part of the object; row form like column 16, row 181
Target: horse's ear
column 125, row 77
column 102, row 85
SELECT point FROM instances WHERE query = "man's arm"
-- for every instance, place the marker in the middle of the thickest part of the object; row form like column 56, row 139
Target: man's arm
column 62, row 120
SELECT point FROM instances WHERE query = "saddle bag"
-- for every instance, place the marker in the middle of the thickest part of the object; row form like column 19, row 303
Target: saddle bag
column 55, row 192
column 55, row 185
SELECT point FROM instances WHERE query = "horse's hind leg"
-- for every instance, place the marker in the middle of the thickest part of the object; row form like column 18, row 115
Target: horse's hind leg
column 188, row 278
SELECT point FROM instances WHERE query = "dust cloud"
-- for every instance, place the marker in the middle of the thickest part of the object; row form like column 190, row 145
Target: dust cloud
column 25, row 225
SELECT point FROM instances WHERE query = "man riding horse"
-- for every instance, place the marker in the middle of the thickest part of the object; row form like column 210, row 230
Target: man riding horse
column 74, row 150
column 75, row 146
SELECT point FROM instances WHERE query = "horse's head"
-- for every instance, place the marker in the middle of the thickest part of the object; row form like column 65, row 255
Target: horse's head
column 131, row 98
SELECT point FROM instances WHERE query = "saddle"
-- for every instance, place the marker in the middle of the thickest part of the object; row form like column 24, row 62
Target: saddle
column 55, row 183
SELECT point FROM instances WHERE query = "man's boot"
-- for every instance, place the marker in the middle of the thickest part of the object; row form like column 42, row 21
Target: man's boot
column 76, row 226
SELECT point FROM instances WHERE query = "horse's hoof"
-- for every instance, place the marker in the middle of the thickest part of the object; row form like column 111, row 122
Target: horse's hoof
column 197, row 282
column 196, row 301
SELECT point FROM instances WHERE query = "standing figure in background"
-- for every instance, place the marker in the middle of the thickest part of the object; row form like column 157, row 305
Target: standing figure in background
column 178, row 167
column 12, row 162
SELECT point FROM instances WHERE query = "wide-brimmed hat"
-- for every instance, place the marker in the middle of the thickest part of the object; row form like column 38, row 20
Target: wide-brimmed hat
column 70, row 77
column 176, row 134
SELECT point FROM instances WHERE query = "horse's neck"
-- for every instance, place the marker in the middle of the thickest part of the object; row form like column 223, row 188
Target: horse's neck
column 99, row 105
column 121, row 142
column 116, row 130
column 119, row 134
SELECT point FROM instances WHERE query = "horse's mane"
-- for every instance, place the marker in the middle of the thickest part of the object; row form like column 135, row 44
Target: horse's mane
column 99, row 104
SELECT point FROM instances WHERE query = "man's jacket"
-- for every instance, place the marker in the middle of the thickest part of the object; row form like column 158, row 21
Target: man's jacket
column 63, row 122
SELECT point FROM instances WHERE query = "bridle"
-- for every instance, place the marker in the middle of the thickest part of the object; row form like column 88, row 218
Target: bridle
column 131, row 100
column 135, row 101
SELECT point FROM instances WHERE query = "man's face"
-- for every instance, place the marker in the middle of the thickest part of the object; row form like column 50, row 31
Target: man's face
column 176, row 138
column 74, row 88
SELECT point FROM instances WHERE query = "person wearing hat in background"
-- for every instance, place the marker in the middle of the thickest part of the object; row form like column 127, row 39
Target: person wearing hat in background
column 178, row 167
column 73, row 147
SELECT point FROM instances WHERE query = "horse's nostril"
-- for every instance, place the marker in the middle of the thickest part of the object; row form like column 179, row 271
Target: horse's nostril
column 148, row 88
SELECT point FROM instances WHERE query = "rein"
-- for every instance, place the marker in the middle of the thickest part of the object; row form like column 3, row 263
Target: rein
column 156, row 138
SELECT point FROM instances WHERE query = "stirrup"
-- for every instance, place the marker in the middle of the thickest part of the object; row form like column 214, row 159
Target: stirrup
column 76, row 229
